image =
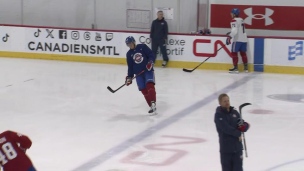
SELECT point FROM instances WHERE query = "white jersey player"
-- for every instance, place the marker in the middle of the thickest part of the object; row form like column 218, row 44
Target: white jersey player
column 239, row 44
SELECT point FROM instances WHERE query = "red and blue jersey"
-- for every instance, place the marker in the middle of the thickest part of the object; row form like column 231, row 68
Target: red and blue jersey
column 138, row 58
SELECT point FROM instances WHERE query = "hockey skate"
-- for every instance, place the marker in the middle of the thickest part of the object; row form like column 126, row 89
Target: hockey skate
column 234, row 70
column 246, row 68
column 152, row 111
column 164, row 64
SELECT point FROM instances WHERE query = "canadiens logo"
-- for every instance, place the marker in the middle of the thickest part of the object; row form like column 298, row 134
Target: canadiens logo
column 138, row 58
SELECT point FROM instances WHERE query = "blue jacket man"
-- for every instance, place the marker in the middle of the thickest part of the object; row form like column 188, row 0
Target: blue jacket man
column 230, row 127
column 159, row 36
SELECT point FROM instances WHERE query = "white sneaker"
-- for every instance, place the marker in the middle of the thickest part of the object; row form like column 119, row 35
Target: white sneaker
column 152, row 111
column 164, row 64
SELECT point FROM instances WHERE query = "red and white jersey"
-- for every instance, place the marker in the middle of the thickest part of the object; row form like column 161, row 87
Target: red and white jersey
column 12, row 155
column 238, row 32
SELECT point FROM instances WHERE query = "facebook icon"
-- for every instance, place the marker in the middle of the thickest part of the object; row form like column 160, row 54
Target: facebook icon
column 63, row 34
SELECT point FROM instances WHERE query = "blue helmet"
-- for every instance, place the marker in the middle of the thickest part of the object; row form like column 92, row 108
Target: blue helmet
column 130, row 39
column 235, row 11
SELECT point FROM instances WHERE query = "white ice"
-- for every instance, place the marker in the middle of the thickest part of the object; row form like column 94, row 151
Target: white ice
column 72, row 119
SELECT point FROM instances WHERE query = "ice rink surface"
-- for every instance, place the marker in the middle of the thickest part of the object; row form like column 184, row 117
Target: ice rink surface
column 76, row 124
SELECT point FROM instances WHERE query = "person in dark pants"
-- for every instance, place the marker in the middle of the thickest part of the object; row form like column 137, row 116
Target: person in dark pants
column 159, row 36
column 230, row 126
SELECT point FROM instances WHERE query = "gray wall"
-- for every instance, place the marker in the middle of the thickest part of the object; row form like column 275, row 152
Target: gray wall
column 185, row 14
column 111, row 14
column 188, row 16
column 203, row 14
column 10, row 12
column 104, row 14
column 61, row 13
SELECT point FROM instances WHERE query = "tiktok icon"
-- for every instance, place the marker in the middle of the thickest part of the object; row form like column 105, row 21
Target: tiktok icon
column 5, row 38
column 37, row 33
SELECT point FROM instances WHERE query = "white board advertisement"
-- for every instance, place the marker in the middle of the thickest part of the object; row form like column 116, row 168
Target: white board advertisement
column 112, row 44
column 61, row 41
column 197, row 48
column 285, row 52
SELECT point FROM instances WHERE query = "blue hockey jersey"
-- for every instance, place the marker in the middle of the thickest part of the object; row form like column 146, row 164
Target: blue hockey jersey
column 138, row 58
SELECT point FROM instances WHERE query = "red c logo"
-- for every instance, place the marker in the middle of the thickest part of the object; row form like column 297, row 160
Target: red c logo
column 216, row 43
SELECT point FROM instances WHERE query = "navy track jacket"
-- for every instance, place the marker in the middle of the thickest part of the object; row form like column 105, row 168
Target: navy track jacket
column 226, row 126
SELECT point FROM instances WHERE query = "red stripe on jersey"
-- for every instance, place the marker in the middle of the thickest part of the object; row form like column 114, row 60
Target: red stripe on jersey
column 233, row 20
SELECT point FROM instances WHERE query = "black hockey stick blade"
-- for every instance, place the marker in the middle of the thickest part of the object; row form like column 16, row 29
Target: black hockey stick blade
column 191, row 70
column 188, row 70
column 113, row 91
column 243, row 105
column 110, row 89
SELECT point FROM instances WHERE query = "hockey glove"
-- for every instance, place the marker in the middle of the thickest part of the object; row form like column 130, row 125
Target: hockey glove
column 128, row 80
column 244, row 127
column 228, row 40
column 149, row 65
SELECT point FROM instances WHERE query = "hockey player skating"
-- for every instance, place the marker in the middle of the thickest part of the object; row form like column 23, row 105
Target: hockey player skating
column 12, row 152
column 239, row 44
column 141, row 58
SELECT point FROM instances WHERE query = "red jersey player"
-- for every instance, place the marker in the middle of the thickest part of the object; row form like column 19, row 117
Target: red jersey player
column 12, row 152
column 239, row 36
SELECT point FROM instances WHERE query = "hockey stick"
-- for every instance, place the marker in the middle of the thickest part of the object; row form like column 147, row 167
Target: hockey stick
column 191, row 70
column 113, row 91
column 243, row 134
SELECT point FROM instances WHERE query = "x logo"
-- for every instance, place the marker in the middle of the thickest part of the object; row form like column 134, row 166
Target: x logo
column 49, row 33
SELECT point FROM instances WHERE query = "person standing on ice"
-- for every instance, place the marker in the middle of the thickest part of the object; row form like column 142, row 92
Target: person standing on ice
column 239, row 44
column 141, row 58
column 230, row 126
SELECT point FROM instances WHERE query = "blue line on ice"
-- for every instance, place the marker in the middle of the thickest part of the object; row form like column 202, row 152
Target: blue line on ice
column 165, row 123
column 285, row 164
